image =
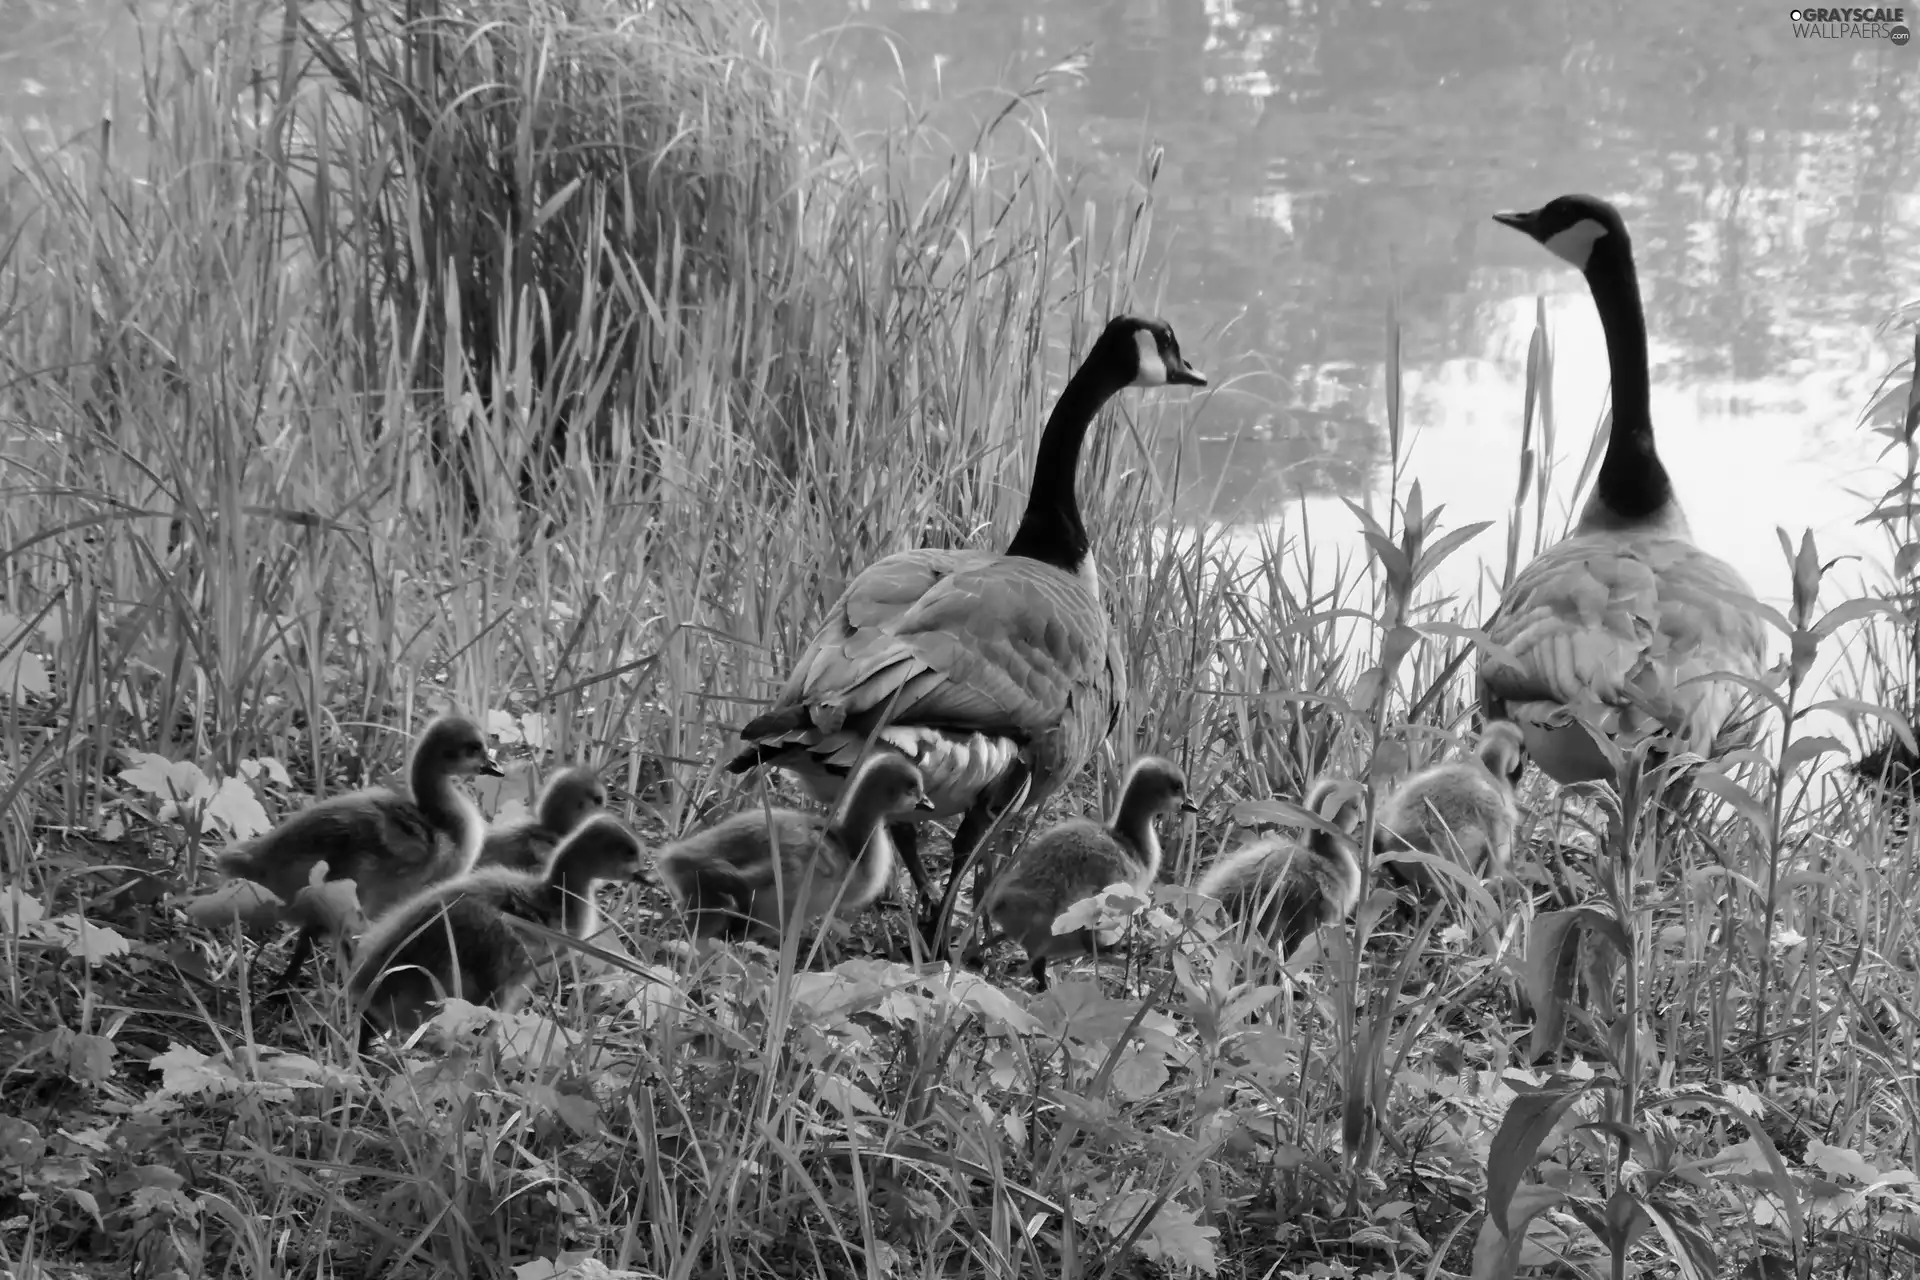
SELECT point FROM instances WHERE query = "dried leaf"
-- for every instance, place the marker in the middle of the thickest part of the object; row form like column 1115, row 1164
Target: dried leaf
column 237, row 810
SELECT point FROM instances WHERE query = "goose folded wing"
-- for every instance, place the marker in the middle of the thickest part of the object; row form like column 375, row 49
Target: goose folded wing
column 996, row 648
column 1707, row 618
column 882, row 592
column 1114, row 688
column 1588, row 620
column 1575, row 627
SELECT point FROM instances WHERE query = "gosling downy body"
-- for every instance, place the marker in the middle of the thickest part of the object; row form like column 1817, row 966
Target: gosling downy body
column 455, row 938
column 762, row 872
column 570, row 797
column 390, row 845
column 989, row 670
column 1286, row 889
column 1616, row 618
column 1465, row 810
column 1078, row 858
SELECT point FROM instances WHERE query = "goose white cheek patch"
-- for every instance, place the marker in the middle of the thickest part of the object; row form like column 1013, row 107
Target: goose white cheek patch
column 1575, row 244
column 1153, row 369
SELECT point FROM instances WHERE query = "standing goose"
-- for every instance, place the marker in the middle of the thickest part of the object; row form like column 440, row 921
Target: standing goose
column 455, row 939
column 986, row 669
column 390, row 845
column 1619, row 615
column 1285, row 890
column 1464, row 809
column 1078, row 858
column 570, row 797
column 763, row 872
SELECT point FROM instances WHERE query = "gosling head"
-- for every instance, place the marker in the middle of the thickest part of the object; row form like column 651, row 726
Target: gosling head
column 1570, row 226
column 1147, row 351
column 891, row 784
column 1154, row 786
column 601, row 848
column 1335, row 800
column 570, row 797
column 454, row 745
column 1503, row 751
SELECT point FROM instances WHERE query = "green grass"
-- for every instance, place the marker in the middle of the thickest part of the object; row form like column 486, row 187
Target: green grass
column 562, row 363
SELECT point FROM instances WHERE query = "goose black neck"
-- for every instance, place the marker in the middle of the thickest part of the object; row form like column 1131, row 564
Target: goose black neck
column 434, row 793
column 1633, row 485
column 1051, row 529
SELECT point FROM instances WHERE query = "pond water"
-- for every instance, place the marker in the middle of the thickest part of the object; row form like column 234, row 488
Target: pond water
column 1323, row 155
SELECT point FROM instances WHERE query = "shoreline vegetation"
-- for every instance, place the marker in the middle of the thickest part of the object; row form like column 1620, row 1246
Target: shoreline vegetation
column 559, row 363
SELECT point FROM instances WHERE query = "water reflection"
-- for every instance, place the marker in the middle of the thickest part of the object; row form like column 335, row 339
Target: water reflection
column 1322, row 155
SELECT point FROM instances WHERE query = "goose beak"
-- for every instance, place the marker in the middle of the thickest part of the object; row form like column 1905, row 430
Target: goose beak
column 1188, row 806
column 923, row 805
column 1182, row 374
column 1526, row 221
column 491, row 768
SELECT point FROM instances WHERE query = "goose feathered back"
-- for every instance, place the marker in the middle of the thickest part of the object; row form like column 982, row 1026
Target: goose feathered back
column 969, row 657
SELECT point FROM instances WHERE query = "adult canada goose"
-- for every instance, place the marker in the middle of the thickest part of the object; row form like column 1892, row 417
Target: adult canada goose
column 1617, row 617
column 1078, row 858
column 390, row 845
column 765, row 871
column 1464, row 809
column 455, row 939
column 1285, row 889
column 570, row 797
column 987, row 669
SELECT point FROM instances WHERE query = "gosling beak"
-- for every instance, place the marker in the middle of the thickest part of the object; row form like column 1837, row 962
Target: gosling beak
column 1527, row 221
column 923, row 805
column 1182, row 374
column 491, row 768
column 1188, row 806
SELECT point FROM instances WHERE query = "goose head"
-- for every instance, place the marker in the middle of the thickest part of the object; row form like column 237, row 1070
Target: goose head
column 601, row 848
column 1155, row 786
column 890, row 784
column 1571, row 226
column 1503, row 750
column 1144, row 353
column 453, row 746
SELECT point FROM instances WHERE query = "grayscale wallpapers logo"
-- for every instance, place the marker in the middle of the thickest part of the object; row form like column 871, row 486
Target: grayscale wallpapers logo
column 1851, row 24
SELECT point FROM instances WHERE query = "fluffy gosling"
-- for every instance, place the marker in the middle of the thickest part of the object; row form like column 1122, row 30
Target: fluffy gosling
column 1286, row 889
column 1078, row 858
column 760, row 873
column 1464, row 809
column 390, row 845
column 455, row 939
column 570, row 797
